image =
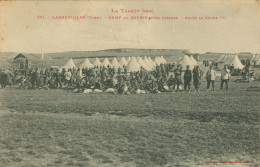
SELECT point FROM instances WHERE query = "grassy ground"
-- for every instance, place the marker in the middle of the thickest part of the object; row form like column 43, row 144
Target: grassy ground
column 60, row 128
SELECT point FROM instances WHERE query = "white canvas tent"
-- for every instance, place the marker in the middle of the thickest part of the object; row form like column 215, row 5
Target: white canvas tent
column 86, row 64
column 193, row 60
column 219, row 59
column 255, row 58
column 123, row 62
column 157, row 61
column 151, row 62
column 128, row 59
column 147, row 62
column 133, row 65
column 163, row 59
column 224, row 58
column 229, row 59
column 69, row 65
column 106, row 62
column 142, row 63
column 115, row 63
column 160, row 60
column 236, row 62
column 185, row 60
column 97, row 62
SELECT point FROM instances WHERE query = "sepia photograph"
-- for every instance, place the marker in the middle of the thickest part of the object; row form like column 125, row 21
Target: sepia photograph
column 125, row 83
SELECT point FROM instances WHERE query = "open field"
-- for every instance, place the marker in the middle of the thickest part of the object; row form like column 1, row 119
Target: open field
column 61, row 128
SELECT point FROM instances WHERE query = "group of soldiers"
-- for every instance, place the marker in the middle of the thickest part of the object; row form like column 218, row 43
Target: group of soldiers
column 97, row 78
column 165, row 78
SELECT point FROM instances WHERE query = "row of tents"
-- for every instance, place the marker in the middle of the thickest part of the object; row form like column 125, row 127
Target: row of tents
column 187, row 60
column 131, row 63
column 230, row 59
column 255, row 58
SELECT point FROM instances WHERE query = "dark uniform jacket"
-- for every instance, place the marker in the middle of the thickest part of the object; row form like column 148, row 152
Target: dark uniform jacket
column 187, row 75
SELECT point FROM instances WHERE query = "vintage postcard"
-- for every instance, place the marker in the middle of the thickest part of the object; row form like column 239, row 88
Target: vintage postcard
column 130, row 83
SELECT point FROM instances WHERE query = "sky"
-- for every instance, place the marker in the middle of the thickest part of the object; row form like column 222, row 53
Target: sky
column 22, row 31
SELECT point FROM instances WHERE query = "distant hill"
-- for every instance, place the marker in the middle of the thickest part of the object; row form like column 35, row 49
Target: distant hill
column 118, row 53
column 215, row 55
column 59, row 58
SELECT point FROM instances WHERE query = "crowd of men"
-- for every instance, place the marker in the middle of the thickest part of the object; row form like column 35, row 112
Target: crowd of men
column 164, row 78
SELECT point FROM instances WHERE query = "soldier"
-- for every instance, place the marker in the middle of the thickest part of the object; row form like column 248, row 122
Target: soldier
column 177, row 73
column 197, row 73
column 225, row 76
column 6, row 79
column 34, row 76
column 134, row 86
column 142, row 73
column 152, row 87
column 210, row 77
column 58, row 78
column 123, row 88
column 68, row 77
column 171, row 83
column 38, row 81
column 125, row 70
column 119, row 71
column 187, row 78
column 158, row 72
column 98, row 85
column 162, row 85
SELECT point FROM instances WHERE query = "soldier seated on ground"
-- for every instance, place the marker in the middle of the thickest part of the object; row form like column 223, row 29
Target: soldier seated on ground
column 109, row 85
column 133, row 87
column 171, row 83
column 98, row 85
column 51, row 83
column 152, row 87
column 6, row 79
column 162, row 86
column 123, row 88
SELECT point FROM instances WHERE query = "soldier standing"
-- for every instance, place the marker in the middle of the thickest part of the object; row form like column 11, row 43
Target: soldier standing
column 34, row 79
column 177, row 74
column 171, row 83
column 125, row 70
column 187, row 78
column 58, row 77
column 197, row 77
column 225, row 76
column 210, row 77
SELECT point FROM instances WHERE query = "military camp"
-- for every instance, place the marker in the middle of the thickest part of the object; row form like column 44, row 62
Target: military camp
column 129, row 83
column 115, row 96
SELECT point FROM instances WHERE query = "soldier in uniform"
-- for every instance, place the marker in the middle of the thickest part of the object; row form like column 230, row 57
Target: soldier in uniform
column 98, row 85
column 58, row 78
column 153, row 87
column 210, row 77
column 119, row 71
column 197, row 73
column 122, row 87
column 171, row 83
column 125, row 70
column 225, row 76
column 68, row 77
column 34, row 76
column 161, row 85
column 134, row 86
column 177, row 73
column 6, row 79
column 187, row 78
